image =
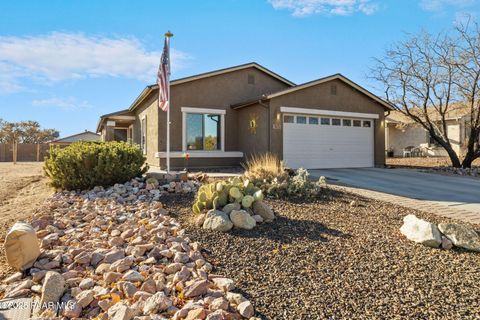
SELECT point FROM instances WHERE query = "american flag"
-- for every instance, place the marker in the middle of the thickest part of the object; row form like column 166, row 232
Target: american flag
column 163, row 76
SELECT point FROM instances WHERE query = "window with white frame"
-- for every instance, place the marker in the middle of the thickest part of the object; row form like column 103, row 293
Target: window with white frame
column 203, row 131
column 143, row 134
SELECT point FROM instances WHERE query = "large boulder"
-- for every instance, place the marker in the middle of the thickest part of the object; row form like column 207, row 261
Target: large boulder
column 461, row 235
column 421, row 231
column 241, row 219
column 218, row 221
column 262, row 209
column 231, row 206
column 21, row 246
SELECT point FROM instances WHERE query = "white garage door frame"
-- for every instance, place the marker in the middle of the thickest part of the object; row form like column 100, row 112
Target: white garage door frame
column 315, row 146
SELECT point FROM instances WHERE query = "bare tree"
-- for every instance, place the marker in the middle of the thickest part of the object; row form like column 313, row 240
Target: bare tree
column 426, row 77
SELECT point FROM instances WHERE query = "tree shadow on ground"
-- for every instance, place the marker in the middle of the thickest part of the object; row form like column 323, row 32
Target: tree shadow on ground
column 285, row 230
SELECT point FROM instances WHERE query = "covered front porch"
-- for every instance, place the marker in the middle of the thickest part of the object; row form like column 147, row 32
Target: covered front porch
column 117, row 126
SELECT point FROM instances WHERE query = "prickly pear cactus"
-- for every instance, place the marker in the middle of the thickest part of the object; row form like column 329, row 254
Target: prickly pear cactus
column 218, row 194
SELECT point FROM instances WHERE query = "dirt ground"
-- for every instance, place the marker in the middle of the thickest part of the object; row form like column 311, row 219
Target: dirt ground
column 23, row 189
column 422, row 162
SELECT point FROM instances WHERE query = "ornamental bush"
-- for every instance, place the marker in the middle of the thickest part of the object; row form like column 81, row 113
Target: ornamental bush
column 84, row 165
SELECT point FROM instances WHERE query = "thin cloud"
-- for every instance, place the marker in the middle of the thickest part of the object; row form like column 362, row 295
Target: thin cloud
column 441, row 5
column 64, row 56
column 302, row 8
column 68, row 104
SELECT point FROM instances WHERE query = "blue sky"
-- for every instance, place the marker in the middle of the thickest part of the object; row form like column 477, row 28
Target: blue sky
column 64, row 63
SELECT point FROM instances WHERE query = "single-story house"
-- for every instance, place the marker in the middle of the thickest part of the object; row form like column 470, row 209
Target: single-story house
column 82, row 136
column 402, row 132
column 222, row 117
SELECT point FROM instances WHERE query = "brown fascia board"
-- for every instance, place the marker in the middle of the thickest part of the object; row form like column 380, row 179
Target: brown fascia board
column 248, row 102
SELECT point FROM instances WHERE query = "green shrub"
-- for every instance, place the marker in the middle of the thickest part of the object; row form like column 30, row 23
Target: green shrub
column 84, row 165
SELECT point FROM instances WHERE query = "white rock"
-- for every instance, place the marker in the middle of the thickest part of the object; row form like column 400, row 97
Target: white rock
column 133, row 276
column 224, row 283
column 218, row 221
column 421, row 231
column 231, row 206
column 263, row 210
column 120, row 311
column 246, row 309
column 84, row 298
column 86, row 283
column 241, row 219
column 53, row 287
column 157, row 303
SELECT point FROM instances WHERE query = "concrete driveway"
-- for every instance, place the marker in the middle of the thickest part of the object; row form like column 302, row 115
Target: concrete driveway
column 456, row 192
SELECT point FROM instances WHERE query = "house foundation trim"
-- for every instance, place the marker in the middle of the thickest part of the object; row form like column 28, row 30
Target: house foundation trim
column 202, row 154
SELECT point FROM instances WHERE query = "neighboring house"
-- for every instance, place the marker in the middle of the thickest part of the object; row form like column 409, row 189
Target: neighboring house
column 402, row 132
column 83, row 136
column 222, row 117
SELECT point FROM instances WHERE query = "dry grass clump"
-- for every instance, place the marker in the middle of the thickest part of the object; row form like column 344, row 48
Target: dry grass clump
column 265, row 166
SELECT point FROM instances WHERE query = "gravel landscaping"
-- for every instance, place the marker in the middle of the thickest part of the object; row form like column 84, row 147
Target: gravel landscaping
column 329, row 259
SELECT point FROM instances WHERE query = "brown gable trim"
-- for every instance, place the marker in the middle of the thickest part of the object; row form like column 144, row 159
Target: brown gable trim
column 153, row 87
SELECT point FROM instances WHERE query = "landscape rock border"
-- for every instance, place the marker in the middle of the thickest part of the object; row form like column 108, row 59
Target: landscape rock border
column 116, row 253
column 445, row 235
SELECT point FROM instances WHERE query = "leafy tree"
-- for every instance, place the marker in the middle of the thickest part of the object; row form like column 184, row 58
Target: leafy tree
column 25, row 132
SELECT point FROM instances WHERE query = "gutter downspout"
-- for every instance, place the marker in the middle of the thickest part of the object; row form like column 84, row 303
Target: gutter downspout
column 387, row 134
column 267, row 106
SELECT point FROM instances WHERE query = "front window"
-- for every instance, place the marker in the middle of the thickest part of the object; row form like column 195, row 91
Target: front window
column 203, row 131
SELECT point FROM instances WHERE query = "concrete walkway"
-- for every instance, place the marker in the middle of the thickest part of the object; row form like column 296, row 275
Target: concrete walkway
column 455, row 197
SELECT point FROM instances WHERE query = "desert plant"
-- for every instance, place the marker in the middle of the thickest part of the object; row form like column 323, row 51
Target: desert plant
column 266, row 166
column 218, row 194
column 84, row 165
column 298, row 185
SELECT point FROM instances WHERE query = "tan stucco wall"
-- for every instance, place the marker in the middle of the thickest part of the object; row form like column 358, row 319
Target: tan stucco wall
column 347, row 99
column 252, row 142
column 216, row 92
column 148, row 109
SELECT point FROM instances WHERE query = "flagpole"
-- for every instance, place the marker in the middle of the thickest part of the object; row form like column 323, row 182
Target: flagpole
column 168, row 35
